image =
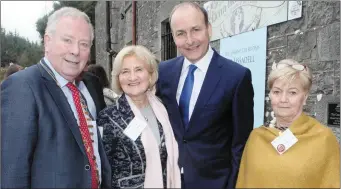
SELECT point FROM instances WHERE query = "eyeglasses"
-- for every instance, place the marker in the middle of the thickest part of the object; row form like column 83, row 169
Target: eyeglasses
column 298, row 67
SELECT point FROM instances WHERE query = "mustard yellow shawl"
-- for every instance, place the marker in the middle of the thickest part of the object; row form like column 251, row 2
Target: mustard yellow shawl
column 313, row 162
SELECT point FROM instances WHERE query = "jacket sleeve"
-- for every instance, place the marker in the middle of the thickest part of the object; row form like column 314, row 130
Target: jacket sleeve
column 242, row 113
column 19, row 132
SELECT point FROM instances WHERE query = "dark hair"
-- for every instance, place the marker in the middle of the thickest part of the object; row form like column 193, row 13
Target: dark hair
column 99, row 71
column 194, row 5
column 12, row 69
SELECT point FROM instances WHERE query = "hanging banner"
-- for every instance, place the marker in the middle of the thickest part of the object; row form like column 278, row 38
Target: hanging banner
column 230, row 18
column 249, row 50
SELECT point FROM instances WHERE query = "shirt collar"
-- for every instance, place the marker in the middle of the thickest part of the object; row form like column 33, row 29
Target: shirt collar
column 61, row 80
column 203, row 63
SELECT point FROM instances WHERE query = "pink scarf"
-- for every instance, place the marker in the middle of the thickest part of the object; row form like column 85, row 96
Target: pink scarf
column 153, row 174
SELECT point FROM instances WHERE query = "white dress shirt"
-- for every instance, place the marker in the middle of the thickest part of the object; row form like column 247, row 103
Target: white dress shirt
column 199, row 76
column 90, row 103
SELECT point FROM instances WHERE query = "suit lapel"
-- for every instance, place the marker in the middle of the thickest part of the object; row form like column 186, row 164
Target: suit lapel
column 176, row 77
column 125, row 111
column 63, row 106
column 174, row 107
column 211, row 80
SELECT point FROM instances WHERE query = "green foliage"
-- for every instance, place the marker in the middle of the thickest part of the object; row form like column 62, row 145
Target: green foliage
column 2, row 73
column 86, row 6
column 18, row 50
column 40, row 27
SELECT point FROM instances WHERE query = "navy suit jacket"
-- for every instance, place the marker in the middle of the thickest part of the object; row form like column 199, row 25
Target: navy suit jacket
column 41, row 143
column 210, row 149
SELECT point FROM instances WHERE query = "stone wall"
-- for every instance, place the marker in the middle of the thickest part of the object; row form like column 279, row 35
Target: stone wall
column 313, row 39
column 101, row 38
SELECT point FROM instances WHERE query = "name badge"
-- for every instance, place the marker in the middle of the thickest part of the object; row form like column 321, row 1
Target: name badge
column 283, row 142
column 135, row 128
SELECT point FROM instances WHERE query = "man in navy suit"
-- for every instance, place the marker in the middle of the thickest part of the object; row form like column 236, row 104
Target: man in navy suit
column 49, row 137
column 209, row 100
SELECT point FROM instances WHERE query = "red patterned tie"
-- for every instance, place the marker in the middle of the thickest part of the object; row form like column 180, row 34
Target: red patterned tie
column 85, row 134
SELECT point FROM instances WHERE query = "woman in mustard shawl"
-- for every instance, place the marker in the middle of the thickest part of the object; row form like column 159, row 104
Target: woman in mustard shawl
column 295, row 151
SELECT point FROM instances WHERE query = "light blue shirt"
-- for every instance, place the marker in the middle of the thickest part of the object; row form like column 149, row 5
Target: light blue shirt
column 91, row 106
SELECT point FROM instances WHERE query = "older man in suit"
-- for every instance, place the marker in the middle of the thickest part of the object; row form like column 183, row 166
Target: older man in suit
column 49, row 133
column 209, row 100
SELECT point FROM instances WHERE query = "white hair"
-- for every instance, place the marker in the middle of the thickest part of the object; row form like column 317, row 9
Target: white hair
column 140, row 52
column 67, row 11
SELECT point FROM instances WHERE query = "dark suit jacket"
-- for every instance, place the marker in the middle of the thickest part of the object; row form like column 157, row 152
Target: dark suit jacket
column 211, row 148
column 41, row 143
column 95, row 89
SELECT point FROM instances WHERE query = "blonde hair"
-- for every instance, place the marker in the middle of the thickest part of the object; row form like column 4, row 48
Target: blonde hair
column 141, row 53
column 289, row 73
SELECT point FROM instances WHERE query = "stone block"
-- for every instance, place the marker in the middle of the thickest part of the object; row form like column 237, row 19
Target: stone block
column 337, row 13
column 322, row 13
column 321, row 108
column 316, row 66
column 139, row 4
column 165, row 9
column 275, row 30
column 291, row 26
column 323, row 83
column 310, row 103
column 337, row 78
column 268, row 70
column 101, row 38
column 128, row 26
column 216, row 45
column 277, row 42
column 329, row 43
column 337, row 67
column 302, row 46
column 336, row 86
column 275, row 55
column 158, row 3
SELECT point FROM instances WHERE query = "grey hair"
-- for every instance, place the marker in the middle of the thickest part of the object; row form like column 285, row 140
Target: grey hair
column 67, row 11
column 140, row 52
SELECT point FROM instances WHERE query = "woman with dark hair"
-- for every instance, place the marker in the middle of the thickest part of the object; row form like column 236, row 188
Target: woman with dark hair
column 109, row 95
column 12, row 69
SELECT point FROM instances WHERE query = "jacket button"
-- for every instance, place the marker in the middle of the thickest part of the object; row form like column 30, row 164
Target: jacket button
column 87, row 167
column 185, row 141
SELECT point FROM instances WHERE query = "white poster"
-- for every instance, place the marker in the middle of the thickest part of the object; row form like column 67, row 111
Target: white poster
column 249, row 50
column 294, row 9
column 229, row 18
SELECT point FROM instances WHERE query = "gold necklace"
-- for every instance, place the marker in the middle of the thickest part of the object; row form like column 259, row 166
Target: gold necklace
column 49, row 71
